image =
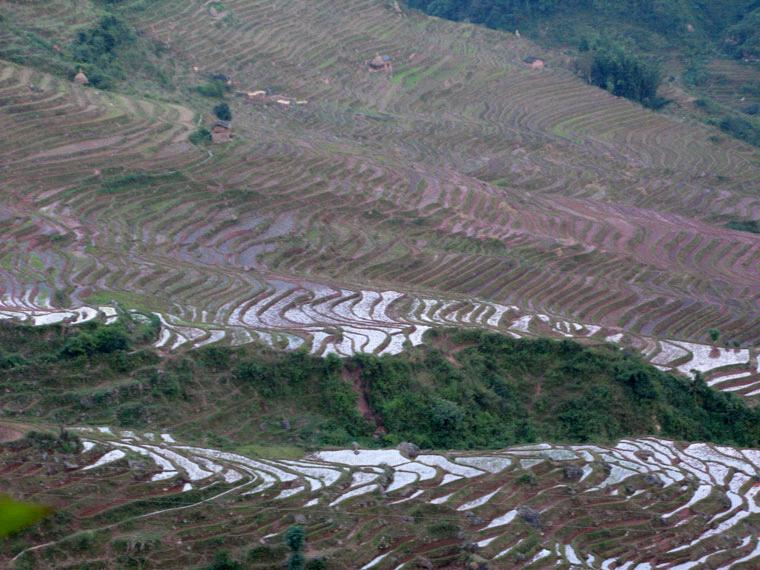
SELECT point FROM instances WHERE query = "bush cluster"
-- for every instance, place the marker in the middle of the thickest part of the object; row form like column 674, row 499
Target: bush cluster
column 612, row 66
column 490, row 391
column 98, row 49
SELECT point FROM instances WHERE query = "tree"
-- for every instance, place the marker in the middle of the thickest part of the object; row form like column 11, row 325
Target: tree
column 613, row 66
column 296, row 561
column 222, row 111
column 714, row 335
column 295, row 537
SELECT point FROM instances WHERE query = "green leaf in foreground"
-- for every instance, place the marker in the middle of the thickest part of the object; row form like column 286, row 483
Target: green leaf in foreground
column 16, row 515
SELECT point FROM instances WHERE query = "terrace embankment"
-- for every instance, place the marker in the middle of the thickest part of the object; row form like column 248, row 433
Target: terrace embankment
column 462, row 174
column 146, row 498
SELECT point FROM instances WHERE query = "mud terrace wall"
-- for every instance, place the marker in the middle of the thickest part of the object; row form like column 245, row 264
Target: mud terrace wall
column 701, row 502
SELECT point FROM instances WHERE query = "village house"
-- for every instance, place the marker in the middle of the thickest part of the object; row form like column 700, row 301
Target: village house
column 381, row 63
column 535, row 63
column 221, row 132
column 81, row 78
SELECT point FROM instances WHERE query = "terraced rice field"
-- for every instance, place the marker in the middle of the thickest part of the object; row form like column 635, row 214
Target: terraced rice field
column 644, row 503
column 462, row 189
column 345, row 322
column 733, row 84
column 385, row 205
column 463, row 175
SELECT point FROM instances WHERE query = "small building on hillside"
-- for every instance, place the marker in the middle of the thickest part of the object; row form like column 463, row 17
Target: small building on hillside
column 221, row 132
column 535, row 63
column 381, row 63
column 258, row 95
column 81, row 78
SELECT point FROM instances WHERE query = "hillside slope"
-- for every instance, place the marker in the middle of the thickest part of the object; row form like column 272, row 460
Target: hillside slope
column 462, row 174
column 146, row 274
column 146, row 500
column 463, row 389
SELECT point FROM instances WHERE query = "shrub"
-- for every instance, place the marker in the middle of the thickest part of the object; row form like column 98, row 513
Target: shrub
column 745, row 225
column 83, row 542
column 527, row 478
column 97, row 50
column 65, row 442
column 110, row 339
column 214, row 89
column 80, row 345
column 137, row 180
column 612, row 66
column 295, row 537
column 223, row 561
column 200, row 136
column 11, row 360
column 215, row 357
column 264, row 553
column 260, row 376
column 222, row 111
column 741, row 128
column 296, row 561
column 443, row 529
column 131, row 415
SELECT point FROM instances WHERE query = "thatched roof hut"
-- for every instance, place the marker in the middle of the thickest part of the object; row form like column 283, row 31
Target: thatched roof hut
column 221, row 132
column 81, row 78
column 535, row 63
column 380, row 63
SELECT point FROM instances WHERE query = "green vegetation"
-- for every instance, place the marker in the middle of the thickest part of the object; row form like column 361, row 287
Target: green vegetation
column 105, row 45
column 135, row 180
column 16, row 515
column 638, row 38
column 214, row 89
column 295, row 537
column 670, row 17
column 222, row 111
column 745, row 226
column 65, row 442
column 223, row 561
column 97, row 50
column 469, row 390
column 504, row 391
column 200, row 136
column 741, row 128
column 743, row 38
column 610, row 65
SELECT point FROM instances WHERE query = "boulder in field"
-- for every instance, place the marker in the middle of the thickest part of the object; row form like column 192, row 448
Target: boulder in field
column 409, row 450
column 573, row 472
column 530, row 516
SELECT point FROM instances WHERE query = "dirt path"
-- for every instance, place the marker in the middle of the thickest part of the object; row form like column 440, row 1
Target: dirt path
column 354, row 377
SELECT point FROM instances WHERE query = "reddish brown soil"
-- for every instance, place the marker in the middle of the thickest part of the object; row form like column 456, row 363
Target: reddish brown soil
column 355, row 378
column 8, row 433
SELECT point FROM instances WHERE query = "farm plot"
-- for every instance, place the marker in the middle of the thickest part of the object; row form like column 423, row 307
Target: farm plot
column 676, row 505
column 291, row 314
column 463, row 182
